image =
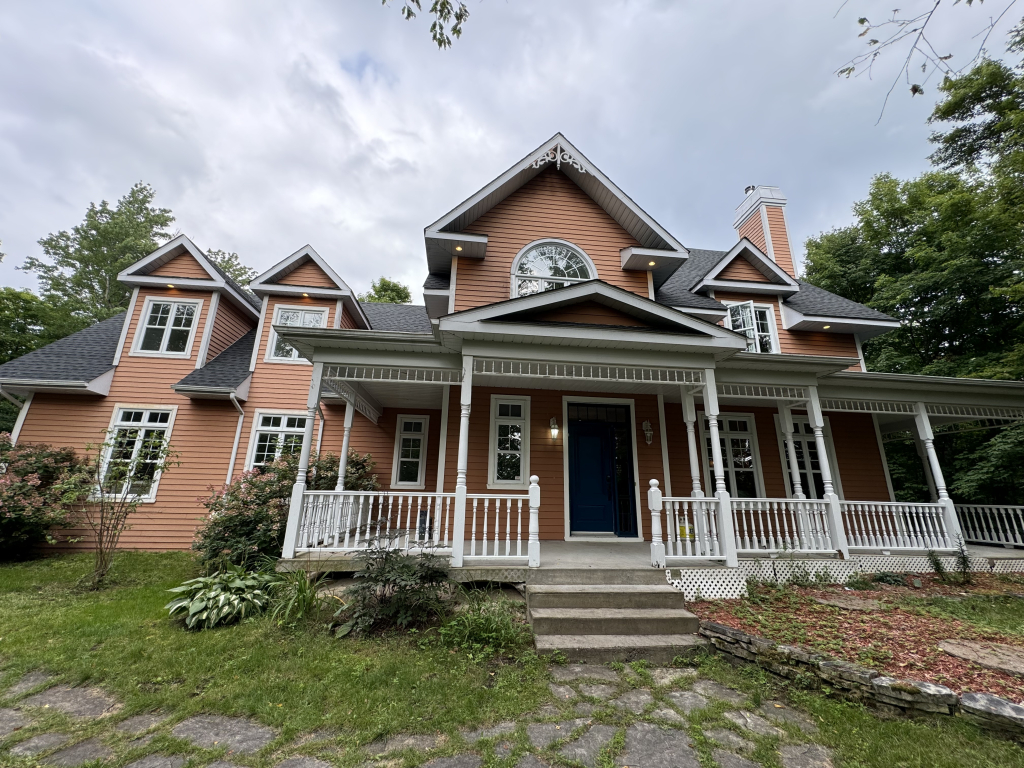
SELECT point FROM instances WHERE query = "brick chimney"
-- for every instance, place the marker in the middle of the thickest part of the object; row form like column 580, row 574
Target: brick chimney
column 761, row 218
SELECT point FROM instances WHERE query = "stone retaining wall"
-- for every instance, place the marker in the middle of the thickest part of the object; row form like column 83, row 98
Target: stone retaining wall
column 852, row 681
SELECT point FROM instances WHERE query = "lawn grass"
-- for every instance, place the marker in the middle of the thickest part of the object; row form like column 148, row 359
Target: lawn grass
column 298, row 680
column 1002, row 613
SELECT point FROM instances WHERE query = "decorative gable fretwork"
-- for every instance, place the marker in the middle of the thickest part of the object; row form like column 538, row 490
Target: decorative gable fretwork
column 558, row 155
column 578, row 371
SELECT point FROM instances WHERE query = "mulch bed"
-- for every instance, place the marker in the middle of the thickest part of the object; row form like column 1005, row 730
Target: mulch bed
column 897, row 641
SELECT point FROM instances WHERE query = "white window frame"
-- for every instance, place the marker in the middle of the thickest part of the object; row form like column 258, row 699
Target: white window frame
column 420, row 483
column 773, row 325
column 830, row 452
column 150, row 497
column 254, row 430
column 514, row 278
column 492, row 446
column 140, row 329
column 270, row 357
column 724, row 416
column 251, row 463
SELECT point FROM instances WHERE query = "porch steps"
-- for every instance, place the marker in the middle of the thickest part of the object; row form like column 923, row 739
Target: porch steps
column 596, row 576
column 599, row 622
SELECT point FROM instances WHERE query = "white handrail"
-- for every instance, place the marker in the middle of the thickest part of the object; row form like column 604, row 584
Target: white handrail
column 778, row 525
column 999, row 524
column 691, row 529
column 895, row 525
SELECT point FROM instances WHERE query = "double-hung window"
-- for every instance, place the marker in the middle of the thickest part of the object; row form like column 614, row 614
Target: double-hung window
column 168, row 328
column 410, row 463
column 277, row 434
column 135, row 452
column 757, row 323
column 281, row 350
column 509, row 454
column 738, row 442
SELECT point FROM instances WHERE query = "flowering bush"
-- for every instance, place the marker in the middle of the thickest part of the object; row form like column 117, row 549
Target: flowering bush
column 248, row 517
column 30, row 498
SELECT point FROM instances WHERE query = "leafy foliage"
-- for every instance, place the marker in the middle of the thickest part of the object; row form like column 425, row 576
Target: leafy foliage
column 385, row 291
column 937, row 565
column 487, row 623
column 444, row 12
column 247, row 517
column 30, row 494
column 893, row 579
column 79, row 274
column 297, row 597
column 223, row 598
column 395, row 589
column 231, row 264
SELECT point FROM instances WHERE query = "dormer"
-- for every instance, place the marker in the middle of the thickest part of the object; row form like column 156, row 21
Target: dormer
column 746, row 268
column 553, row 199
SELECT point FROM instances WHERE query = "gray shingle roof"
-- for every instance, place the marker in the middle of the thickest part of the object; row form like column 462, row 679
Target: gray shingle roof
column 254, row 300
column 406, row 318
column 812, row 300
column 437, row 282
column 82, row 356
column 227, row 370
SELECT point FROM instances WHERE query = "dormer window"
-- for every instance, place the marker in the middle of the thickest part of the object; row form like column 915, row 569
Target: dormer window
column 548, row 265
column 757, row 323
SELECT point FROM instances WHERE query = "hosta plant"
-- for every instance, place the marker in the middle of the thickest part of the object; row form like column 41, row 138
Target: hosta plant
column 223, row 598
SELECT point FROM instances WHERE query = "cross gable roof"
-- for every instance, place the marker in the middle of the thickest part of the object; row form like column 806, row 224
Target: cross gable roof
column 446, row 234
column 777, row 281
column 141, row 274
column 269, row 282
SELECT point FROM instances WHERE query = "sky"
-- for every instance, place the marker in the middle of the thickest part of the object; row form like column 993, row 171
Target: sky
column 265, row 126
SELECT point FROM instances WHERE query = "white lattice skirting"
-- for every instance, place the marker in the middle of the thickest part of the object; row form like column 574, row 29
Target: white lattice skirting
column 730, row 583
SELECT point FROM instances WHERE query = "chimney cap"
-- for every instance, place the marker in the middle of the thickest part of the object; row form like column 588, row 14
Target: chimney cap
column 749, row 188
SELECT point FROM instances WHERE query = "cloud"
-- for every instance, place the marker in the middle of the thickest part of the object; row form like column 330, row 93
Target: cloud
column 265, row 126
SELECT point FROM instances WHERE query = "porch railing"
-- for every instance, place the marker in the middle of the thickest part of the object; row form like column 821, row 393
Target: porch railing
column 991, row 524
column 344, row 521
column 496, row 525
column 778, row 525
column 895, row 525
column 691, row 528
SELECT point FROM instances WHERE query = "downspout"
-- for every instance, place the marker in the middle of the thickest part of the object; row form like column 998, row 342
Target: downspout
column 238, row 435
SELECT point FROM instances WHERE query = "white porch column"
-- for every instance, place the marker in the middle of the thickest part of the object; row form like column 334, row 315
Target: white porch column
column 533, row 545
column 835, row 513
column 929, row 478
column 350, row 412
column 690, row 417
column 924, row 431
column 654, row 504
column 786, row 417
column 726, row 531
column 465, row 400
column 291, row 532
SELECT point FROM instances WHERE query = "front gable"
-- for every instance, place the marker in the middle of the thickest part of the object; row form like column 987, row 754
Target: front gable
column 741, row 269
column 746, row 268
column 308, row 274
column 585, row 313
column 183, row 265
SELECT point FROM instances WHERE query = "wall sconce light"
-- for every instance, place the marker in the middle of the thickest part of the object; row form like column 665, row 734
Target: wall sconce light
column 554, row 428
column 648, row 432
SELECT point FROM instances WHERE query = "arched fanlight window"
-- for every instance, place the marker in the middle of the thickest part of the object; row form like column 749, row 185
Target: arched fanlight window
column 549, row 265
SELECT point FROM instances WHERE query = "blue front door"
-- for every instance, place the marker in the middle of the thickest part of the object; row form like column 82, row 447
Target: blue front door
column 592, row 497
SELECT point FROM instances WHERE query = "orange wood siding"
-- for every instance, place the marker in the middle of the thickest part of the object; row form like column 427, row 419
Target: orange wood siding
column 549, row 206
column 379, row 441
column 589, row 312
column 861, row 466
column 310, row 274
column 780, row 238
column 347, row 321
column 184, row 265
column 753, row 231
column 162, row 368
column 741, row 269
column 800, row 342
column 229, row 325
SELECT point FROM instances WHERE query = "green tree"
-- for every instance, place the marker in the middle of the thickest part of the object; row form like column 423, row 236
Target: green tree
column 78, row 275
column 231, row 264
column 385, row 291
column 445, row 12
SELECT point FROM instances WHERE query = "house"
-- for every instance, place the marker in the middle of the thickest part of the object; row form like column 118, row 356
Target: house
column 577, row 380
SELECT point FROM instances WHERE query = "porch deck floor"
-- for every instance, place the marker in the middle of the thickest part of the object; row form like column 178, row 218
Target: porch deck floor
column 996, row 553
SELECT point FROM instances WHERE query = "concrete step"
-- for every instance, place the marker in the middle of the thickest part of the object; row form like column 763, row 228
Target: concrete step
column 600, row 649
column 571, row 576
column 604, row 596
column 613, row 621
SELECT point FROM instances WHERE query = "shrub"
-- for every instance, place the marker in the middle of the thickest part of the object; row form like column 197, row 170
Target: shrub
column 223, row 598
column 937, row 565
column 247, row 518
column 893, row 579
column 395, row 589
column 859, row 582
column 963, row 561
column 31, row 501
column 487, row 623
column 296, row 597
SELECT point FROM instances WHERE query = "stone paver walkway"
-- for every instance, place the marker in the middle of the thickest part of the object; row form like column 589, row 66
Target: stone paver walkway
column 625, row 716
